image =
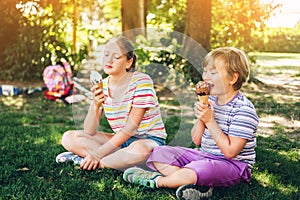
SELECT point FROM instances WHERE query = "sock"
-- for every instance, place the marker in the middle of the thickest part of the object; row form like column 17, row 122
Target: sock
column 156, row 181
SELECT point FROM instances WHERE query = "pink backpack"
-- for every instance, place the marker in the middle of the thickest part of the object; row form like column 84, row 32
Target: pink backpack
column 58, row 80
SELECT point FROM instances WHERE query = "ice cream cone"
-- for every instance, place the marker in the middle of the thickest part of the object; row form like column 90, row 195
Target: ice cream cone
column 203, row 99
column 202, row 90
column 96, row 78
column 100, row 84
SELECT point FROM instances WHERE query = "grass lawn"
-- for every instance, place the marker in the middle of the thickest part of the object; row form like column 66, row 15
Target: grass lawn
column 31, row 129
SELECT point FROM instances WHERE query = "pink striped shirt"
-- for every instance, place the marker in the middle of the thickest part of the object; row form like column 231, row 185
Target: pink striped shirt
column 139, row 94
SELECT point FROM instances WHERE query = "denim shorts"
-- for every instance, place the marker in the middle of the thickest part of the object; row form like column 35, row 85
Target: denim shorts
column 158, row 140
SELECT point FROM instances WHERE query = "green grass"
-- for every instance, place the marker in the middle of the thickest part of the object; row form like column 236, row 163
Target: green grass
column 31, row 129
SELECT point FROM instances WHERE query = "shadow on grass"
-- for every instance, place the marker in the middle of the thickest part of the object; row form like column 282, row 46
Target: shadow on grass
column 30, row 137
column 274, row 100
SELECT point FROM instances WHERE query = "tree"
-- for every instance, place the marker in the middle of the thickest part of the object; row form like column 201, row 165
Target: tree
column 9, row 30
column 37, row 37
column 134, row 17
column 235, row 22
column 198, row 21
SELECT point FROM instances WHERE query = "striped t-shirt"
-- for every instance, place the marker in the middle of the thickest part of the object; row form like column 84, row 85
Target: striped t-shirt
column 139, row 94
column 237, row 118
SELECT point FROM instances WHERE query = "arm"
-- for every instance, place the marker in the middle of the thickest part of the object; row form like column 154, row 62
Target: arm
column 198, row 128
column 130, row 128
column 94, row 114
column 92, row 161
column 229, row 145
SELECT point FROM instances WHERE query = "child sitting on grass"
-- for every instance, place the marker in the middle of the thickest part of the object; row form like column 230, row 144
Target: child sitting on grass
column 225, row 129
column 130, row 105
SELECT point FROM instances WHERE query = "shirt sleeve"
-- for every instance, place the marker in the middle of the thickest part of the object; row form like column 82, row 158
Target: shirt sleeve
column 244, row 123
column 144, row 95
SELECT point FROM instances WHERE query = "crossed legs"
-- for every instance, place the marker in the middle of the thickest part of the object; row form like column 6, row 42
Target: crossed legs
column 82, row 144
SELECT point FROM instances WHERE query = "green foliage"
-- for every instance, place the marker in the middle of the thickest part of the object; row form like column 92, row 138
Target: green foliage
column 234, row 22
column 40, row 40
column 163, row 14
column 278, row 40
column 33, row 40
column 165, row 63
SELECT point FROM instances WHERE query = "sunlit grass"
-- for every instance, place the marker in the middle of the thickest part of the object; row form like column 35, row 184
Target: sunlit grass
column 31, row 134
column 31, row 137
column 267, row 179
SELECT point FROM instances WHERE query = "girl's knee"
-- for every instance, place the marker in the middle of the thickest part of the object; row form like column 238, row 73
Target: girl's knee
column 67, row 139
column 138, row 153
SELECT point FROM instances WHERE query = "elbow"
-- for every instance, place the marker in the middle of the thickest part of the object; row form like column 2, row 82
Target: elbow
column 229, row 155
column 196, row 140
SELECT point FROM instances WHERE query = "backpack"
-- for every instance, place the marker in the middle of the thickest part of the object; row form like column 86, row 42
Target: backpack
column 58, row 80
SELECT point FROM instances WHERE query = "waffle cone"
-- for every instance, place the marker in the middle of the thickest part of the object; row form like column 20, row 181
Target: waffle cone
column 100, row 85
column 203, row 99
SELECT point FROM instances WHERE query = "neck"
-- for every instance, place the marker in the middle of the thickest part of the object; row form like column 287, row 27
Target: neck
column 120, row 79
column 225, row 98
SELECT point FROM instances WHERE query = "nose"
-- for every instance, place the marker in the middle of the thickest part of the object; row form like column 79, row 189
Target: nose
column 108, row 59
column 205, row 76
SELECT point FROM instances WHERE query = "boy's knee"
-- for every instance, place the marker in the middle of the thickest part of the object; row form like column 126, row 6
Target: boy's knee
column 190, row 175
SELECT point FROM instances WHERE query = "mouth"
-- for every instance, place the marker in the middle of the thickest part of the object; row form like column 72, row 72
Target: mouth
column 210, row 86
column 108, row 66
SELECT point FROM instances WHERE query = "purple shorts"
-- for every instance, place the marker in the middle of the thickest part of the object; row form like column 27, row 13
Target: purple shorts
column 211, row 170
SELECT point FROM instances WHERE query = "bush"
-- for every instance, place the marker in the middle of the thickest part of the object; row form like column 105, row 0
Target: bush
column 283, row 40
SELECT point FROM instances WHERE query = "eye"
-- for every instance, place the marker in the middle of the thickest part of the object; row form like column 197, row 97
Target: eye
column 106, row 54
column 117, row 57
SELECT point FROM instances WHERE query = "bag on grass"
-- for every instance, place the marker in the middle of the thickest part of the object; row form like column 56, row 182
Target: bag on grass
column 58, row 80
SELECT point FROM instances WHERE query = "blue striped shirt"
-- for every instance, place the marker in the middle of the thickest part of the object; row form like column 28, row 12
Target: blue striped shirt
column 237, row 118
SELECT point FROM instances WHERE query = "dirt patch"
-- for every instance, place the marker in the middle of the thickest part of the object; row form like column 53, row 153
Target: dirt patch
column 283, row 89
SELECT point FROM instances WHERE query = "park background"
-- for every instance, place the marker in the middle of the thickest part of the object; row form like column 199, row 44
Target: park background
column 35, row 34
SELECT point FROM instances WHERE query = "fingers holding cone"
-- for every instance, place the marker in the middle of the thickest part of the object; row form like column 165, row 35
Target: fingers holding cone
column 96, row 79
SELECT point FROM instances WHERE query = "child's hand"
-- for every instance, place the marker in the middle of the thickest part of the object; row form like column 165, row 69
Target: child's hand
column 204, row 112
column 90, row 163
column 99, row 97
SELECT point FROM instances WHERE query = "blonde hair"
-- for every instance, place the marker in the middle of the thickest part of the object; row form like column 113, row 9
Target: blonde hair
column 235, row 61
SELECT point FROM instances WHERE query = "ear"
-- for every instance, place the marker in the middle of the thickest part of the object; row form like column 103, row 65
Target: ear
column 129, row 63
column 234, row 78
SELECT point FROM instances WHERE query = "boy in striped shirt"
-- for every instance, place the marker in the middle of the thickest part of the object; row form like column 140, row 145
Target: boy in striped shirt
column 225, row 129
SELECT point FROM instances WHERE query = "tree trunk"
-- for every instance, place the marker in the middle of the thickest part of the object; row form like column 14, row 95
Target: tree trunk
column 133, row 18
column 198, row 21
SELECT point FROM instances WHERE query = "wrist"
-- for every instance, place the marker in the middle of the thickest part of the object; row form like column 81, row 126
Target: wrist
column 97, row 155
column 209, row 124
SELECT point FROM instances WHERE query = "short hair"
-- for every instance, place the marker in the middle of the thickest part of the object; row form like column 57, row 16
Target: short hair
column 127, row 49
column 235, row 61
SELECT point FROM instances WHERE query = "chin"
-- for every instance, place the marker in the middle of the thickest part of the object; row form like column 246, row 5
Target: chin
column 107, row 70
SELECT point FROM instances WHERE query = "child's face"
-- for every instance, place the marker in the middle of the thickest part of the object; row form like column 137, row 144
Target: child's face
column 114, row 60
column 217, row 76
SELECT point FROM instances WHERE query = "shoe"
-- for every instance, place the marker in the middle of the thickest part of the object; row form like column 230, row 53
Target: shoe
column 193, row 192
column 69, row 157
column 141, row 177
